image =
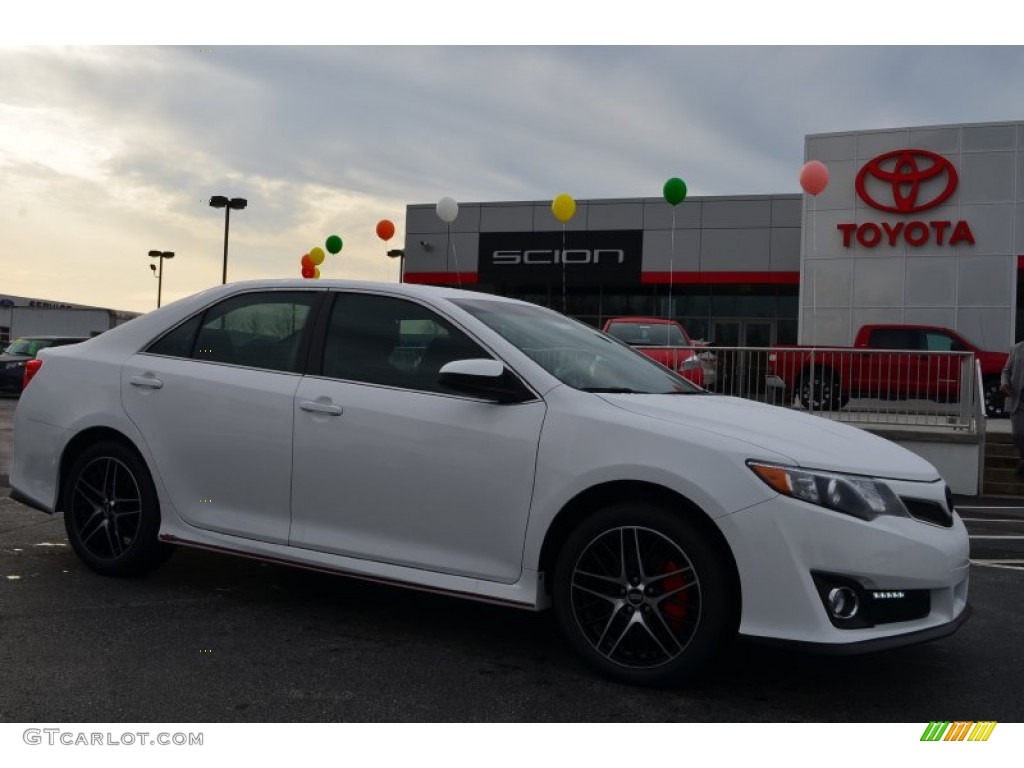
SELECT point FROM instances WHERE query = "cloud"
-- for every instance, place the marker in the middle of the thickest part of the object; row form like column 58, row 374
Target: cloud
column 106, row 153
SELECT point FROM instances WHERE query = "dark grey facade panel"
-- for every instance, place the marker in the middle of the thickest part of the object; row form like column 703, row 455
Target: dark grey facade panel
column 787, row 211
column 784, row 249
column 737, row 214
column 735, row 250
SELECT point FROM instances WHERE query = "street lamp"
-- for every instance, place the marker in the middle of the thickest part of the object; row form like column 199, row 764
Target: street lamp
column 399, row 253
column 238, row 203
column 159, row 272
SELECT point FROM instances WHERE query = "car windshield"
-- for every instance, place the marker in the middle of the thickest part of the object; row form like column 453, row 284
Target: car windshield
column 574, row 353
column 649, row 334
column 26, row 346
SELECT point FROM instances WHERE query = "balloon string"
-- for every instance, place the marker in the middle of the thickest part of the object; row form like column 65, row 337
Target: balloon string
column 671, row 264
column 814, row 282
column 565, row 307
column 455, row 253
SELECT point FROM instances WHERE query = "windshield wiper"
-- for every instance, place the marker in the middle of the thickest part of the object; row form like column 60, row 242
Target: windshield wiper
column 613, row 390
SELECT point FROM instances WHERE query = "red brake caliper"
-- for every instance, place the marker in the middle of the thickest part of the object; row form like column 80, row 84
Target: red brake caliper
column 675, row 607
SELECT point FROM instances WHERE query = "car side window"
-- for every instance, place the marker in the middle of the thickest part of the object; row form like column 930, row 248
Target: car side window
column 392, row 342
column 941, row 342
column 895, row 338
column 255, row 330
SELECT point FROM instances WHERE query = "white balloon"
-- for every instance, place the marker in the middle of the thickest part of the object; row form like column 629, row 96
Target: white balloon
column 447, row 210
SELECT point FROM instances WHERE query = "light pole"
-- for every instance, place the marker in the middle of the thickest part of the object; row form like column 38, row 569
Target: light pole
column 238, row 203
column 159, row 272
column 399, row 253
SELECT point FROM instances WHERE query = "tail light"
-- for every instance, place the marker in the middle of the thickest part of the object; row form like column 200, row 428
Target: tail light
column 31, row 369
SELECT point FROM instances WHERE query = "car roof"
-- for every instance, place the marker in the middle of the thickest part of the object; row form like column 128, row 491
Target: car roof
column 47, row 338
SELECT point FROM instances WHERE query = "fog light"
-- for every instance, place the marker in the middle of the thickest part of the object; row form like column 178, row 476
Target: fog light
column 843, row 603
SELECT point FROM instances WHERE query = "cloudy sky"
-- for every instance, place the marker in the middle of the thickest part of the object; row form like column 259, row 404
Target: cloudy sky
column 107, row 152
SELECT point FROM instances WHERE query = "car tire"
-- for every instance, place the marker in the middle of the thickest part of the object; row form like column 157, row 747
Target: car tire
column 994, row 397
column 644, row 595
column 821, row 392
column 111, row 512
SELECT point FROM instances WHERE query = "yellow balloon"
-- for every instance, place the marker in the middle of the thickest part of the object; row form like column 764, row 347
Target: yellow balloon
column 316, row 255
column 564, row 207
column 316, row 272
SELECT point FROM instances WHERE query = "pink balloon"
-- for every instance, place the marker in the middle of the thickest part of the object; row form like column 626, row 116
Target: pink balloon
column 814, row 177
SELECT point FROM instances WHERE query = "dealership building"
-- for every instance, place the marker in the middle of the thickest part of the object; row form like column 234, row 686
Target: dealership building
column 921, row 225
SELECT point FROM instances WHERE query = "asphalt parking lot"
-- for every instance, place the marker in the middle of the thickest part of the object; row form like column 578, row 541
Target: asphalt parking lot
column 211, row 638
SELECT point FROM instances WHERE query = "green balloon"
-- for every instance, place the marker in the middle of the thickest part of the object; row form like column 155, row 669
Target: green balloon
column 333, row 244
column 674, row 191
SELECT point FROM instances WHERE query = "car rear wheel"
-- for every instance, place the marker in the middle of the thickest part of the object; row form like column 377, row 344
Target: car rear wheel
column 821, row 392
column 644, row 595
column 111, row 512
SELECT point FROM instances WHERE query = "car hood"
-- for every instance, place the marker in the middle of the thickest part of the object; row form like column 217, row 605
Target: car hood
column 809, row 441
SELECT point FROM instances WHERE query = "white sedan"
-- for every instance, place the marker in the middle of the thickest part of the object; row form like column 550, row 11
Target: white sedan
column 492, row 449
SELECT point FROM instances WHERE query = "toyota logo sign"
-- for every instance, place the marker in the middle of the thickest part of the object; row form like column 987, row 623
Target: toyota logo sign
column 906, row 181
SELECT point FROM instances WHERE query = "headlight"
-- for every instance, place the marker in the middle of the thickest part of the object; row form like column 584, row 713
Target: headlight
column 860, row 497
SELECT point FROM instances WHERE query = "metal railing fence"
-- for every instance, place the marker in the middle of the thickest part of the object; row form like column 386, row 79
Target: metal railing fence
column 867, row 387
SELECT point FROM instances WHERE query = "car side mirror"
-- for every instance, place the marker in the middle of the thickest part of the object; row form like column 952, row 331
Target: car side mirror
column 484, row 378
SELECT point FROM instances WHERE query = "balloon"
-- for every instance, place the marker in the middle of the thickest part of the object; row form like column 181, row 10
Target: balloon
column 814, row 177
column 307, row 270
column 316, row 255
column 385, row 230
column 447, row 210
column 564, row 207
column 333, row 244
column 674, row 191
column 306, row 261
column 316, row 272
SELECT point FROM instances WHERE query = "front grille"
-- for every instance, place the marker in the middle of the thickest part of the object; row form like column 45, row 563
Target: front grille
column 930, row 511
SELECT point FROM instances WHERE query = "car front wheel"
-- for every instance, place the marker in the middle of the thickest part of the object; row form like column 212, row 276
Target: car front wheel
column 111, row 512
column 644, row 595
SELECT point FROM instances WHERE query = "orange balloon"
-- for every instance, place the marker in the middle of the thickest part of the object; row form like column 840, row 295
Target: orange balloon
column 306, row 261
column 385, row 230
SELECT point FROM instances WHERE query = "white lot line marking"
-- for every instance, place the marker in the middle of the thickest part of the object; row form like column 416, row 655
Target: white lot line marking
column 997, row 537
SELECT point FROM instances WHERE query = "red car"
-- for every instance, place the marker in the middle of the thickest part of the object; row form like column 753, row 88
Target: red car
column 667, row 342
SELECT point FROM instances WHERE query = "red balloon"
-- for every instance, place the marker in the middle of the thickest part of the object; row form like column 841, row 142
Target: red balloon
column 307, row 262
column 814, row 177
column 385, row 230
column 308, row 271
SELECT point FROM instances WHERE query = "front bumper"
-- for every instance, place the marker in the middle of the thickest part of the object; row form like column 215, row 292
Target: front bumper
column 780, row 543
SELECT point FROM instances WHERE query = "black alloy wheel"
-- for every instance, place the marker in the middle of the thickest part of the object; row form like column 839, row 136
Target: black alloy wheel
column 643, row 595
column 111, row 512
column 821, row 392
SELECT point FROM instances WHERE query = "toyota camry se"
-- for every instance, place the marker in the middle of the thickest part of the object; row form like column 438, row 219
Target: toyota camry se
column 490, row 449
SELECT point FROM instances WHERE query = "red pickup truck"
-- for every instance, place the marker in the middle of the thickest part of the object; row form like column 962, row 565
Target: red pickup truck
column 886, row 362
column 667, row 342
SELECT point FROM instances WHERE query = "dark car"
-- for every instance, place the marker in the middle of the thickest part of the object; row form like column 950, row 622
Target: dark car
column 21, row 350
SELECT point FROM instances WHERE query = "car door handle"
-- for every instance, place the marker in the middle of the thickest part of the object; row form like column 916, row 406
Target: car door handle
column 146, row 381
column 313, row 407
